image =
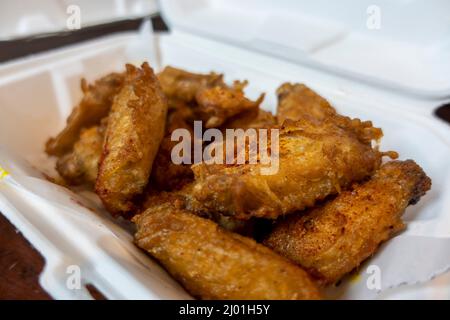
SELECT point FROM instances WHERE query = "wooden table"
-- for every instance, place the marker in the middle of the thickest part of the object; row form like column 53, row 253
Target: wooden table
column 20, row 263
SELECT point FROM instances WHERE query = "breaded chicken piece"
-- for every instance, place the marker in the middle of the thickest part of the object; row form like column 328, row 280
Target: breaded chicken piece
column 315, row 160
column 95, row 105
column 180, row 115
column 331, row 240
column 212, row 263
column 183, row 85
column 181, row 198
column 219, row 103
column 297, row 101
column 166, row 175
column 255, row 118
column 215, row 105
column 80, row 166
column 133, row 135
column 211, row 100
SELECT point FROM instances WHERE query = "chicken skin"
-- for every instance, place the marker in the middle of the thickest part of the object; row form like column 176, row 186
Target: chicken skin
column 314, row 160
column 331, row 240
column 209, row 97
column 136, row 126
column 184, row 85
column 219, row 103
column 255, row 119
column 297, row 101
column 95, row 105
column 80, row 166
column 212, row 263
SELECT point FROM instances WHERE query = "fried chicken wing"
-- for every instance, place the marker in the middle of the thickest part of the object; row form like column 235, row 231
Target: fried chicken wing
column 166, row 175
column 80, row 166
column 210, row 99
column 214, row 106
column 315, row 160
column 255, row 118
column 95, row 105
column 183, row 85
column 212, row 263
column 297, row 101
column 133, row 135
column 181, row 198
column 219, row 103
column 180, row 115
column 331, row 240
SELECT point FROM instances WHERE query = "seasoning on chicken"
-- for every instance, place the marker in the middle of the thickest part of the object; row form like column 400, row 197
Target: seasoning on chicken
column 315, row 160
column 133, row 135
column 331, row 240
column 80, row 166
column 95, row 105
column 212, row 263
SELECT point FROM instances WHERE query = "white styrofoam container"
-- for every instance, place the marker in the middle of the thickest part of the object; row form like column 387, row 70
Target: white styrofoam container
column 37, row 94
column 22, row 18
column 410, row 52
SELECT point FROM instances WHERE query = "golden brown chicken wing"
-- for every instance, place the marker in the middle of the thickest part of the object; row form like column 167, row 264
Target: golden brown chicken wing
column 133, row 135
column 181, row 198
column 316, row 159
column 219, row 103
column 255, row 118
column 183, row 85
column 80, row 166
column 212, row 263
column 166, row 175
column 297, row 101
column 333, row 239
column 214, row 105
column 95, row 105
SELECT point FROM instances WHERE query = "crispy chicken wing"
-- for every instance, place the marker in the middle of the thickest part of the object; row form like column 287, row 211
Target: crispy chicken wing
column 210, row 99
column 183, row 85
column 166, row 175
column 94, row 106
column 133, row 135
column 297, row 101
column 315, row 160
column 219, row 103
column 255, row 118
column 80, row 166
column 181, row 198
column 212, row 263
column 333, row 239
column 214, row 103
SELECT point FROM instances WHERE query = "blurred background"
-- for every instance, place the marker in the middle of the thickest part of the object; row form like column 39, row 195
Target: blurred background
column 402, row 45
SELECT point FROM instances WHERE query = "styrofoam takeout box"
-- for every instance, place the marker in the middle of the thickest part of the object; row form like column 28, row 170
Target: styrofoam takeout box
column 22, row 18
column 72, row 229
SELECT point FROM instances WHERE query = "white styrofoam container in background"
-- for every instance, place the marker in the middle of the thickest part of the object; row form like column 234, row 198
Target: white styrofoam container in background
column 37, row 94
column 410, row 52
column 22, row 18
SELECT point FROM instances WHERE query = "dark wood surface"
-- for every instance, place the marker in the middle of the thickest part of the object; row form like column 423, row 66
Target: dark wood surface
column 20, row 263
column 17, row 48
column 443, row 112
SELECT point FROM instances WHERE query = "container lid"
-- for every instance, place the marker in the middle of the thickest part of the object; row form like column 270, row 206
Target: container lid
column 401, row 45
column 23, row 18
